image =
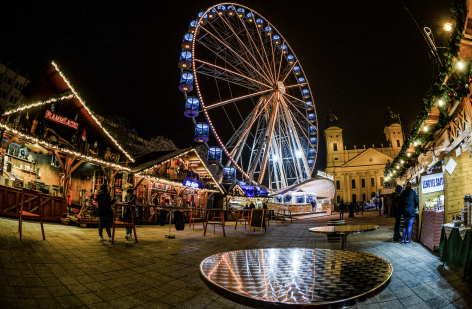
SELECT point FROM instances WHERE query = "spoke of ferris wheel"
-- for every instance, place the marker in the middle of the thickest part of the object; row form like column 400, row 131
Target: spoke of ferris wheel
column 289, row 143
column 303, row 116
column 246, row 85
column 227, row 59
column 236, row 99
column 243, row 127
column 232, row 72
column 267, row 142
column 268, row 131
column 292, row 97
column 289, row 71
column 263, row 103
column 273, row 53
column 280, row 62
column 235, row 53
column 295, row 85
column 295, row 139
column 266, row 64
column 278, row 164
column 264, row 50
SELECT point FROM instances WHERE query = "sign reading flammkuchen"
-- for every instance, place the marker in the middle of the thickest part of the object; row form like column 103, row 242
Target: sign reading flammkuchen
column 62, row 120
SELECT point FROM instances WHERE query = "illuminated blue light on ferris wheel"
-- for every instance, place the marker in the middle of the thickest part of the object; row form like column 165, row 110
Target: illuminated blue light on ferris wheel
column 259, row 23
column 311, row 163
column 306, row 93
column 191, row 107
column 185, row 60
column 202, row 131
column 296, row 70
column 290, row 59
column 186, row 82
column 301, row 79
column 311, row 117
column 214, row 155
column 187, row 43
column 311, row 153
column 241, row 12
column 276, row 39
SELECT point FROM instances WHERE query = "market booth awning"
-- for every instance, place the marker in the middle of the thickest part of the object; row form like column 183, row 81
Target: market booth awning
column 152, row 165
column 320, row 187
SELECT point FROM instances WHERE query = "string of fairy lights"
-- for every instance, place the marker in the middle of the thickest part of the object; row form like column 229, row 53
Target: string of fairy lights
column 143, row 172
column 451, row 85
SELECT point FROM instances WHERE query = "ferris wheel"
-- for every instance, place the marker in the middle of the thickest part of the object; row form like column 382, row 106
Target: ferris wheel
column 241, row 74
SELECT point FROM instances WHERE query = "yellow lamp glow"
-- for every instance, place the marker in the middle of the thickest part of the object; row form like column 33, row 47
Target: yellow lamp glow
column 447, row 27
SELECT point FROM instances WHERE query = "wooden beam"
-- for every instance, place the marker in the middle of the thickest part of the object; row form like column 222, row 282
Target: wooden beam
column 60, row 161
column 76, row 166
column 139, row 182
column 42, row 203
column 17, row 204
column 9, row 142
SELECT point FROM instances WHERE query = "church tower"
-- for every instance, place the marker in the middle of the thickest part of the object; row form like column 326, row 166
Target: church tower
column 393, row 132
column 334, row 142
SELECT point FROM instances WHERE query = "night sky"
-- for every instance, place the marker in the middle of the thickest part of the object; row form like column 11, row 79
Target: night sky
column 360, row 57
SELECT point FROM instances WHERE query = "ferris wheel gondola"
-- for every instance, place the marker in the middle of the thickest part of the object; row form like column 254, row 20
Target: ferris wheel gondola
column 254, row 95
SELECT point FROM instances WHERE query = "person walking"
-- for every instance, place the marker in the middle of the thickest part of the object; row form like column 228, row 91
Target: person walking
column 396, row 212
column 380, row 206
column 341, row 210
column 408, row 201
column 351, row 210
column 362, row 208
column 105, row 213
column 131, row 200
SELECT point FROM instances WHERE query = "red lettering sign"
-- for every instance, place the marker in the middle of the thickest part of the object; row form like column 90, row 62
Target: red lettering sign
column 62, row 120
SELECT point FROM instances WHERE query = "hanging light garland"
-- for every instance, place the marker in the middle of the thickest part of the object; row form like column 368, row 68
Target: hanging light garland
column 440, row 93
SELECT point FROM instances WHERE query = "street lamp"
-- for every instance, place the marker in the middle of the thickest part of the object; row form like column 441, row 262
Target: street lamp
column 447, row 27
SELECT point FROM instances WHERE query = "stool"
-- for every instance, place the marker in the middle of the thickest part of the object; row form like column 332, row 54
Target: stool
column 213, row 222
column 242, row 217
column 119, row 223
column 193, row 218
column 30, row 215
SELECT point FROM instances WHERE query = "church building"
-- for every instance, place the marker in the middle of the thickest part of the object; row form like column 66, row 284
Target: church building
column 358, row 173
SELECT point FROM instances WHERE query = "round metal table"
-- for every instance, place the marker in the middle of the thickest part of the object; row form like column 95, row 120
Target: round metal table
column 294, row 276
column 343, row 231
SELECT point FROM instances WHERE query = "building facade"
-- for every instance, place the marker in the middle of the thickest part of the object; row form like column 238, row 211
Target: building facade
column 358, row 173
column 11, row 85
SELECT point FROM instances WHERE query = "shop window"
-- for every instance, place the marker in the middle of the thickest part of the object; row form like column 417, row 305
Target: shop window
column 300, row 199
column 353, row 183
column 335, row 146
column 372, row 182
column 338, row 184
column 338, row 199
column 363, row 183
column 372, row 195
column 354, row 198
column 363, row 197
column 287, row 198
column 398, row 143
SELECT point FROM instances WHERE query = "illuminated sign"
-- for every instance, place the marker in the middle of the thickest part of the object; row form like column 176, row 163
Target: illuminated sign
column 62, row 120
column 323, row 174
column 432, row 183
column 191, row 184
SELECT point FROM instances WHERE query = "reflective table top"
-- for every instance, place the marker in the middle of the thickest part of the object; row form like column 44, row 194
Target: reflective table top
column 344, row 229
column 294, row 276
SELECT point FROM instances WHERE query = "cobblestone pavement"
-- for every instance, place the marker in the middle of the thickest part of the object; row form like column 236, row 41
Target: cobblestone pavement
column 72, row 269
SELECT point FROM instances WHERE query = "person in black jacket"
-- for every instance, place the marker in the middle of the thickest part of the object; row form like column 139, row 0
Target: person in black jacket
column 105, row 213
column 408, row 201
column 342, row 208
column 130, row 211
column 397, row 213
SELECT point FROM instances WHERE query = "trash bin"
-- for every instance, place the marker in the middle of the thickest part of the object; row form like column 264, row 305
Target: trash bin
column 335, row 238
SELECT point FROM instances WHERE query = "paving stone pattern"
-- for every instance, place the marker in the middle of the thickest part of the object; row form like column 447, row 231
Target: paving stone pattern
column 72, row 269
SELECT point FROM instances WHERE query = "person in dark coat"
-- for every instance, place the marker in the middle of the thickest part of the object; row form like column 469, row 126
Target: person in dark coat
column 396, row 213
column 105, row 213
column 408, row 201
column 131, row 199
column 342, row 207
column 351, row 210
column 251, row 206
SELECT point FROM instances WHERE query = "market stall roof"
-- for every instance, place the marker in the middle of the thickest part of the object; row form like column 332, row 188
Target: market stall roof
column 149, row 161
column 320, row 187
column 53, row 86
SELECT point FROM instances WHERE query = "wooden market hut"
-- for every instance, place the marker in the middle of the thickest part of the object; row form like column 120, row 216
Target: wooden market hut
column 178, row 177
column 54, row 150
